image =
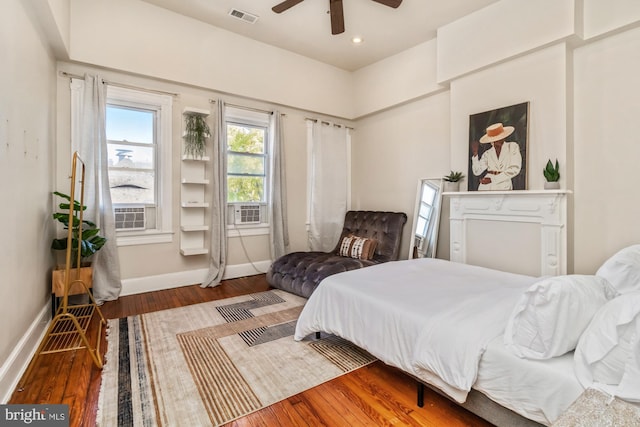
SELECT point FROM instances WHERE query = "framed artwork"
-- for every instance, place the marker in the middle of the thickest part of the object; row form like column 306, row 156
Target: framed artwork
column 498, row 149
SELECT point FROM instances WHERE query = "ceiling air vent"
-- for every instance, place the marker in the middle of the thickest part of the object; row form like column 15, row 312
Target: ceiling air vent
column 244, row 16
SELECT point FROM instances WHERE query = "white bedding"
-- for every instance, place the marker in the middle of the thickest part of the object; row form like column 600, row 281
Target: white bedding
column 536, row 389
column 431, row 318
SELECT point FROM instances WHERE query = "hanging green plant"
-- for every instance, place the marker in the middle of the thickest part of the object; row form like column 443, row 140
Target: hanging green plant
column 195, row 135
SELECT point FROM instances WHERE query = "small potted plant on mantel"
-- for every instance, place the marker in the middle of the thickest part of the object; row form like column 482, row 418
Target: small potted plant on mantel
column 90, row 243
column 551, row 175
column 452, row 181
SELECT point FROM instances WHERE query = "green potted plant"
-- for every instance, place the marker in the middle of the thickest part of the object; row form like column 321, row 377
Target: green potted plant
column 551, row 175
column 195, row 135
column 452, row 181
column 90, row 243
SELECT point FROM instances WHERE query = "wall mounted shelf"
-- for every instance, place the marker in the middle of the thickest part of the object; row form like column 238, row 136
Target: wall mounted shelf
column 194, row 251
column 193, row 191
column 195, row 181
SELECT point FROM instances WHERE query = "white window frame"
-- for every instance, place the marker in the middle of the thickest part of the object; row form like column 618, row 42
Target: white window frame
column 163, row 233
column 240, row 116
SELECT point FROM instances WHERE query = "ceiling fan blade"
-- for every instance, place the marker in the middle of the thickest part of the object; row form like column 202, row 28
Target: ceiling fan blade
column 391, row 3
column 337, row 16
column 281, row 7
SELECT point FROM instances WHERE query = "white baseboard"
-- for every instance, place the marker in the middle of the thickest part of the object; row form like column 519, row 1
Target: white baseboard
column 16, row 364
column 160, row 282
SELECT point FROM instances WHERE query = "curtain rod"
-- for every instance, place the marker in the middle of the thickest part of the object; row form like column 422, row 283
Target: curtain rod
column 122, row 85
column 242, row 107
column 328, row 123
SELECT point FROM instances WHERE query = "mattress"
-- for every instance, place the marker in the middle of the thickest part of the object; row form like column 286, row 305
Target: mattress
column 536, row 389
column 427, row 317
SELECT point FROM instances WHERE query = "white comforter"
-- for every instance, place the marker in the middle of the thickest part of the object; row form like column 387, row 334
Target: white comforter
column 431, row 318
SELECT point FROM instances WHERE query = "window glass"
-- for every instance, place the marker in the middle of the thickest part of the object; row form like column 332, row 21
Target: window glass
column 130, row 124
column 131, row 154
column 246, row 162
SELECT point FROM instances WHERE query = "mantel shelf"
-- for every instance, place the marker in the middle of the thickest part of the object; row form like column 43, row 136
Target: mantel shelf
column 505, row 193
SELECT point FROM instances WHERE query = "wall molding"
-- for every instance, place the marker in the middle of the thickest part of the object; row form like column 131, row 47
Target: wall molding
column 18, row 361
column 161, row 282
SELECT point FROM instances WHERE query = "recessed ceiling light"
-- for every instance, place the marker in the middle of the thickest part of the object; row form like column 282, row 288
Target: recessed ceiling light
column 357, row 40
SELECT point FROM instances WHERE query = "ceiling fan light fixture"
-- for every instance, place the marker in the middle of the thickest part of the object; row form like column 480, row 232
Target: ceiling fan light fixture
column 357, row 40
column 335, row 10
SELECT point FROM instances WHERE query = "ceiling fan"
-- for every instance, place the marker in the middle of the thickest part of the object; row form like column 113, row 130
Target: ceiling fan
column 335, row 9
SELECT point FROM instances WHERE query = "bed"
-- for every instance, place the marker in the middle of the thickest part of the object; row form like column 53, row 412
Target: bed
column 472, row 332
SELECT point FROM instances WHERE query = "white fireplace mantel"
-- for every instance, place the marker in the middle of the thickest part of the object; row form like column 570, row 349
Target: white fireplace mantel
column 540, row 214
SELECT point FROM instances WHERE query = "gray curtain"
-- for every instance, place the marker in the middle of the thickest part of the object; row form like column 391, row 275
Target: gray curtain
column 278, row 229
column 97, row 197
column 218, row 250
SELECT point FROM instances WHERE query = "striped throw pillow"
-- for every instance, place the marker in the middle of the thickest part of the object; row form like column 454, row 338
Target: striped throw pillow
column 358, row 247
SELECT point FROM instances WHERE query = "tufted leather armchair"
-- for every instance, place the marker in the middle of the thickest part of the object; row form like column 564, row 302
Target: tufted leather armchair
column 301, row 272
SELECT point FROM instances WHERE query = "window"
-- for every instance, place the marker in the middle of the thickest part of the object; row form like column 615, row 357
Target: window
column 247, row 165
column 138, row 129
column 131, row 146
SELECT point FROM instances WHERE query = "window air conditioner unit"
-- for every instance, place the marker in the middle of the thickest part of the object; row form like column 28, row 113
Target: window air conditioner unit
column 247, row 214
column 130, row 218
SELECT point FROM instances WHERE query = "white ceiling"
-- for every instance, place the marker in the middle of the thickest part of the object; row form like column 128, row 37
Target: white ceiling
column 306, row 29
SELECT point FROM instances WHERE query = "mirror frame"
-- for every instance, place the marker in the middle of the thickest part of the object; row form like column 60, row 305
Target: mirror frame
column 434, row 219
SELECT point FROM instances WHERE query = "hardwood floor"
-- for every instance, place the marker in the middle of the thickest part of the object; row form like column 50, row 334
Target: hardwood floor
column 376, row 395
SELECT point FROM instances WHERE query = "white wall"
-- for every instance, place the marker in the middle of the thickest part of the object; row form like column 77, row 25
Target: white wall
column 140, row 261
column 27, row 113
column 538, row 78
column 607, row 148
column 393, row 149
column 583, row 107
column 601, row 17
column 499, row 32
column 397, row 79
column 137, row 37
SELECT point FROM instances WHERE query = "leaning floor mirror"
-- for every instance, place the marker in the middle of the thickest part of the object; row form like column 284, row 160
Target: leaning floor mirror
column 426, row 219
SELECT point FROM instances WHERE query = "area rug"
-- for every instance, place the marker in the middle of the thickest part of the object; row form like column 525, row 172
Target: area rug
column 210, row 363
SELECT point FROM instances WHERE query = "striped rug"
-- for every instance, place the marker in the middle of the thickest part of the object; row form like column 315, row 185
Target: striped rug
column 210, row 363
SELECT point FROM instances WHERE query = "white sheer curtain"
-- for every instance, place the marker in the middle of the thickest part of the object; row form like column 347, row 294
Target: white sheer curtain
column 218, row 250
column 278, row 229
column 329, row 182
column 89, row 139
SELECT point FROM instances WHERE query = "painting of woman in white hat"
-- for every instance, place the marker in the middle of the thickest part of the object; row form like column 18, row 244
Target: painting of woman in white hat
column 497, row 165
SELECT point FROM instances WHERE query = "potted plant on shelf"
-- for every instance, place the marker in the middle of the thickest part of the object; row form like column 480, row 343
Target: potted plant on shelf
column 452, row 181
column 552, row 175
column 90, row 243
column 195, row 135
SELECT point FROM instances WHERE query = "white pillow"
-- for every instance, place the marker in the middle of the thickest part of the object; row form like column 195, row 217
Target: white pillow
column 622, row 270
column 608, row 354
column 550, row 316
